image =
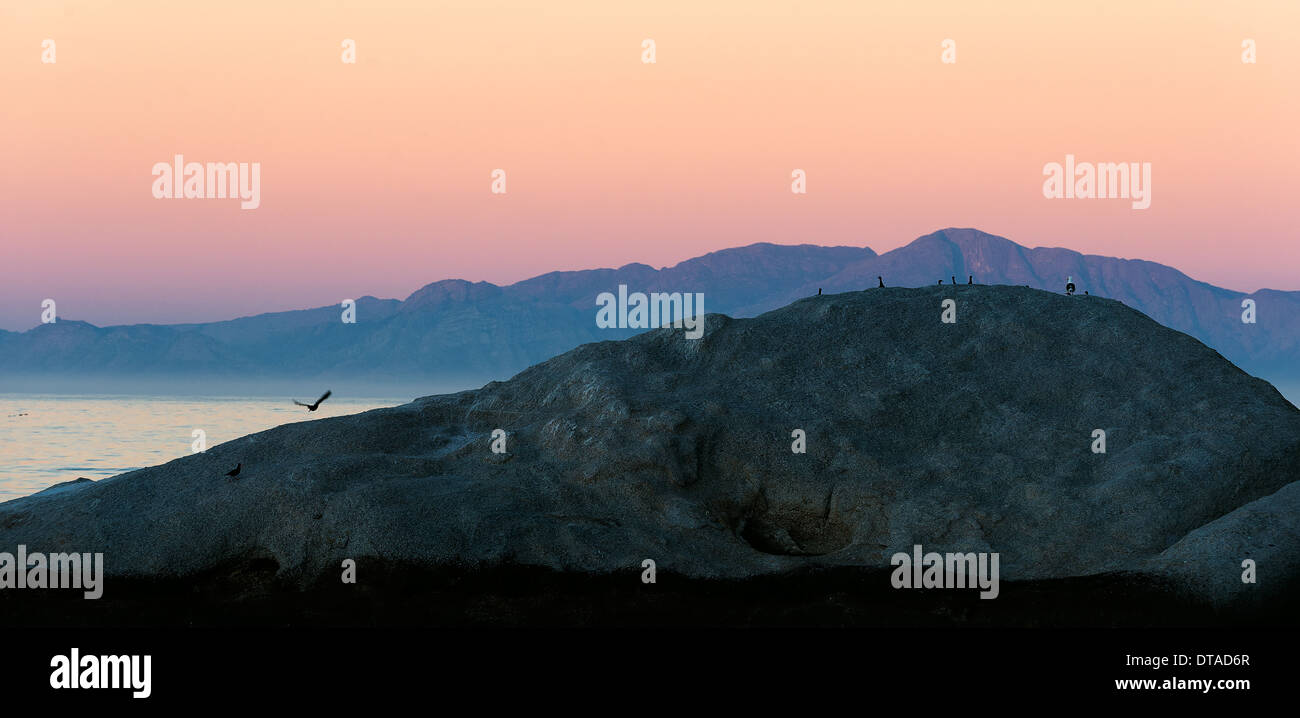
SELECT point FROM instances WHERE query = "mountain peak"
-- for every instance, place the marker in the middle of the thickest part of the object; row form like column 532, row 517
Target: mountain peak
column 449, row 290
column 65, row 325
column 965, row 237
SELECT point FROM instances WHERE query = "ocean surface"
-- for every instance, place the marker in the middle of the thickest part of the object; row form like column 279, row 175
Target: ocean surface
column 46, row 439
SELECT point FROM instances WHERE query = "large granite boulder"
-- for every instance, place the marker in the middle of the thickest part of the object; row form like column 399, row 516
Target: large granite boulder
column 976, row 436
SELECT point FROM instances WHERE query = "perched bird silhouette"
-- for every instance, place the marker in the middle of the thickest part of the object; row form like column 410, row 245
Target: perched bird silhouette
column 954, row 279
column 235, row 471
column 314, row 407
column 882, row 282
column 941, row 281
column 970, row 278
column 819, row 291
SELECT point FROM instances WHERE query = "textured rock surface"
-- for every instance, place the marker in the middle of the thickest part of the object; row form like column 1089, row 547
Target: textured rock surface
column 974, row 436
column 1208, row 561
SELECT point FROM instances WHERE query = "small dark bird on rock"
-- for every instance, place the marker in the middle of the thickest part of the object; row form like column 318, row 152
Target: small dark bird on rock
column 970, row 278
column 235, row 471
column 882, row 282
column 314, row 407
column 954, row 279
column 941, row 281
column 819, row 291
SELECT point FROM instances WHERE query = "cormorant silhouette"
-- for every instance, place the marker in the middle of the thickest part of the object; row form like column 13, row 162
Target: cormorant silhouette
column 970, row 278
column 819, row 291
column 882, row 282
column 235, row 471
column 954, row 280
column 314, row 407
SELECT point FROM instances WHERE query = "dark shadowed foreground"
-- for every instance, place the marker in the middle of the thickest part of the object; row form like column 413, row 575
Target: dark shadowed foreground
column 968, row 437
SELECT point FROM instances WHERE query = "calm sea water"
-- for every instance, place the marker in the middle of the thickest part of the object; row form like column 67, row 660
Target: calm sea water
column 46, row 439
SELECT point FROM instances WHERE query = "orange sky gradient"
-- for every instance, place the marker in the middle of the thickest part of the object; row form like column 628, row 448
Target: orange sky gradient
column 375, row 176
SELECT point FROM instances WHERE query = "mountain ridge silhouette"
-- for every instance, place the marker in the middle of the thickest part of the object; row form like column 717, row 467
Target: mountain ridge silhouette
column 489, row 331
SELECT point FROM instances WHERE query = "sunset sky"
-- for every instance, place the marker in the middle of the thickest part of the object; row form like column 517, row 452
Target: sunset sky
column 375, row 176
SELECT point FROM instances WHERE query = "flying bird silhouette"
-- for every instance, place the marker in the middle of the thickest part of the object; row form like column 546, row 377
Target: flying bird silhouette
column 314, row 407
column 235, row 471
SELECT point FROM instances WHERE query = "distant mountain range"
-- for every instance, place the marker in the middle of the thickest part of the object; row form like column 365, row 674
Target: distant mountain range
column 482, row 331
